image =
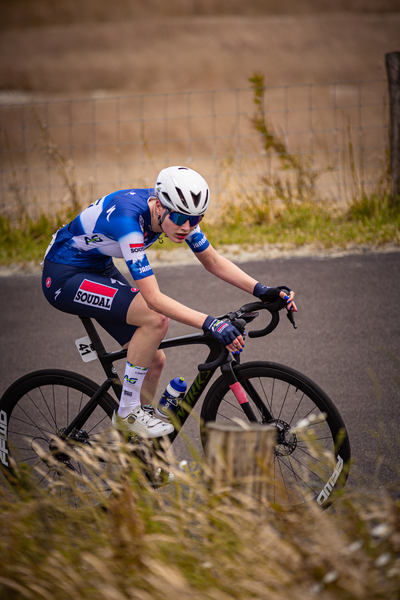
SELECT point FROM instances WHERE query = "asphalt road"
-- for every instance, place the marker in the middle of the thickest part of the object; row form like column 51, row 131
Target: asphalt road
column 348, row 325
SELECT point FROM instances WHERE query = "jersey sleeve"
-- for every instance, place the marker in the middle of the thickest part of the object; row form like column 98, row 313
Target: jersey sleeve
column 197, row 241
column 123, row 222
column 132, row 247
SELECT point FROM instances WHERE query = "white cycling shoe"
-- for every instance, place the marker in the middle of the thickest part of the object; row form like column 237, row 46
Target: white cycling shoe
column 142, row 423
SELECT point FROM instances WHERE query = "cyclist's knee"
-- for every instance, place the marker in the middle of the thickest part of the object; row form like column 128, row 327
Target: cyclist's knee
column 148, row 319
column 160, row 323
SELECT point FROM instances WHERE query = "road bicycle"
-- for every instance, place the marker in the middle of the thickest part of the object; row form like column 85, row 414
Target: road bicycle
column 312, row 450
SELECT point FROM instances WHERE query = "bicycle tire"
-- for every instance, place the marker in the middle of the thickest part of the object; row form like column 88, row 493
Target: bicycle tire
column 34, row 411
column 312, row 454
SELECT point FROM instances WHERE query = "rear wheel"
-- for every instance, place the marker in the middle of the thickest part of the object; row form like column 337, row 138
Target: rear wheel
column 312, row 454
column 34, row 413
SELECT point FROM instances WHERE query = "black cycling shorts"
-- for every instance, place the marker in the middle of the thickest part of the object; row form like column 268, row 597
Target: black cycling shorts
column 104, row 295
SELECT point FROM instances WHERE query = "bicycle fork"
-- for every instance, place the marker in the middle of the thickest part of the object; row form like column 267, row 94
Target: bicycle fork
column 239, row 390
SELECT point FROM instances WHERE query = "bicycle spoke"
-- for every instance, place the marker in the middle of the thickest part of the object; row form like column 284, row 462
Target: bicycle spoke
column 296, row 476
column 30, row 418
column 37, row 415
column 269, row 404
column 98, row 423
column 40, row 429
column 296, row 409
column 284, row 402
column 234, row 405
column 54, row 406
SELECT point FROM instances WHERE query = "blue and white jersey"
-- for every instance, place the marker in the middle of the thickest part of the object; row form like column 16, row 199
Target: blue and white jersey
column 118, row 225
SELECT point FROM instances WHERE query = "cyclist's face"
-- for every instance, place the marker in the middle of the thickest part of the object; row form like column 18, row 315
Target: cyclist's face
column 176, row 233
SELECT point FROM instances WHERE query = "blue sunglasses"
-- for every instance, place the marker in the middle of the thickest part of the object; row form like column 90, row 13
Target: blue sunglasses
column 180, row 219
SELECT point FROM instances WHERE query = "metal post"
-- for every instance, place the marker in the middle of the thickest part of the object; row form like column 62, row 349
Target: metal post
column 393, row 73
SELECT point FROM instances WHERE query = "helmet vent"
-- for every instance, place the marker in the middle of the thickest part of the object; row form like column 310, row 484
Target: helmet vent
column 166, row 196
column 206, row 200
column 196, row 198
column 182, row 197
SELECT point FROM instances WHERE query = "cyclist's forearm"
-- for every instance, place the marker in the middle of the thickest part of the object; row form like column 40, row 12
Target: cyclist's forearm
column 179, row 312
column 227, row 271
column 176, row 311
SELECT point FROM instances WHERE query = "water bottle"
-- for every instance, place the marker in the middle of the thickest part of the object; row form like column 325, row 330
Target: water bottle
column 169, row 402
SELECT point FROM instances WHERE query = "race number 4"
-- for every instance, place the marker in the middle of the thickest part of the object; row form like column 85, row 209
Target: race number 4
column 85, row 349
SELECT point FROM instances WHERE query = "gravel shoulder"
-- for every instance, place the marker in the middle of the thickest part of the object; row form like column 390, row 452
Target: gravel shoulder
column 236, row 253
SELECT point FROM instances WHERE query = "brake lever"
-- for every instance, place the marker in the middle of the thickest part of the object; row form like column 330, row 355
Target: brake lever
column 240, row 324
column 290, row 316
column 289, row 313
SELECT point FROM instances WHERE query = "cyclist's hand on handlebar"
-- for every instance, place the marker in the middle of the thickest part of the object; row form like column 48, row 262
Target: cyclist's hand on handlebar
column 226, row 333
column 269, row 294
column 290, row 304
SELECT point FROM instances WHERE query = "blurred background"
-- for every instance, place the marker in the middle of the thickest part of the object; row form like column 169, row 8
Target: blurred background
column 96, row 96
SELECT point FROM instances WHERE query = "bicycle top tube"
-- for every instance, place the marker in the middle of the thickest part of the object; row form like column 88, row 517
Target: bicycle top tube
column 184, row 340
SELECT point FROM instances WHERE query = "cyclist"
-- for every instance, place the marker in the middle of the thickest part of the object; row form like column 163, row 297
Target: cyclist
column 79, row 277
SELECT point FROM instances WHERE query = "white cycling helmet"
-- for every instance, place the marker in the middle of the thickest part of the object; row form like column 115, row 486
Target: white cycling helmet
column 182, row 190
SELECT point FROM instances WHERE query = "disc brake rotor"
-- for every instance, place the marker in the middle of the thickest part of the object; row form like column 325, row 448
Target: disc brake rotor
column 286, row 438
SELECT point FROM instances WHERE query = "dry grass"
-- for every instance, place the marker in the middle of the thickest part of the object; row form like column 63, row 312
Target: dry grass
column 191, row 539
column 189, row 542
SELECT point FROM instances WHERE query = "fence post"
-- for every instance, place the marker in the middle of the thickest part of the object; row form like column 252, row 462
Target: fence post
column 393, row 73
column 239, row 456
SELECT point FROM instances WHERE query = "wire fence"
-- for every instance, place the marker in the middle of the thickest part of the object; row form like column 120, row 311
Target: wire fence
column 55, row 152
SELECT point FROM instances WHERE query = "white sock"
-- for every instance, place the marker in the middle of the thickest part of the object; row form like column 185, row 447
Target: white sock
column 130, row 397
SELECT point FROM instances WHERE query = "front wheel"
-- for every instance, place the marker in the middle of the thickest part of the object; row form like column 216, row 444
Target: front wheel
column 34, row 412
column 312, row 453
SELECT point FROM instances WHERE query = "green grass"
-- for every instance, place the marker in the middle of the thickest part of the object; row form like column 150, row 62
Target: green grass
column 26, row 241
column 372, row 221
column 309, row 223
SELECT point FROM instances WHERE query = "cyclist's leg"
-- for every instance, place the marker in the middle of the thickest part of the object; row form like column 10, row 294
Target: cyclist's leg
column 107, row 296
column 151, row 330
column 148, row 327
column 144, row 365
column 152, row 379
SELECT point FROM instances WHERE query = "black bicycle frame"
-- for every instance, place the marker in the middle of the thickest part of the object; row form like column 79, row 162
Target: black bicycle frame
column 107, row 359
column 193, row 393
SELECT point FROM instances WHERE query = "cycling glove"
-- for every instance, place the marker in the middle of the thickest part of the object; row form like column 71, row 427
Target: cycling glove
column 265, row 293
column 223, row 331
